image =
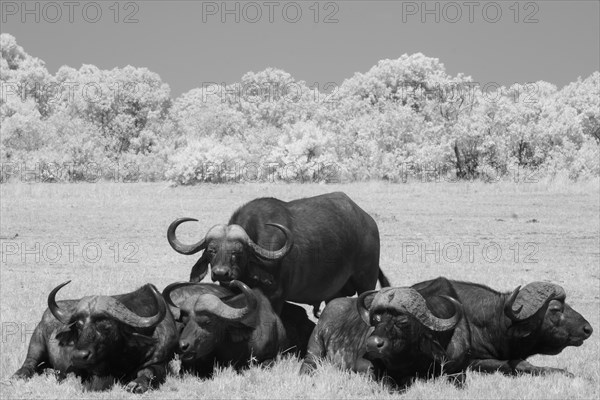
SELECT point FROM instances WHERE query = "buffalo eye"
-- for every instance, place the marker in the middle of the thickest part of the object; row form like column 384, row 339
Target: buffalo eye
column 400, row 320
column 376, row 319
column 79, row 324
column 203, row 321
column 103, row 326
column 555, row 307
column 183, row 315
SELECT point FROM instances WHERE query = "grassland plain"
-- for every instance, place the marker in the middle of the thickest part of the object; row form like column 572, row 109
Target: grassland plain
column 111, row 238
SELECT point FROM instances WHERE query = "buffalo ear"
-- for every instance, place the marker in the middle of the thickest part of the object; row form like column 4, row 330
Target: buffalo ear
column 520, row 331
column 199, row 269
column 239, row 333
column 260, row 275
column 139, row 340
column 65, row 335
column 430, row 345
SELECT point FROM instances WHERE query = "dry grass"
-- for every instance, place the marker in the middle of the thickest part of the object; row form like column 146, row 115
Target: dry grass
column 133, row 218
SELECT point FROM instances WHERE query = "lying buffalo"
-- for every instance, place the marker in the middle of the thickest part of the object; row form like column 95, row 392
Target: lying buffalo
column 400, row 335
column 130, row 337
column 328, row 248
column 507, row 328
column 222, row 327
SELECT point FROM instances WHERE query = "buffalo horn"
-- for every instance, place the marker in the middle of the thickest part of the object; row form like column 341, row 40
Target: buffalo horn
column 166, row 293
column 508, row 310
column 277, row 254
column 410, row 301
column 363, row 310
column 116, row 309
column 531, row 299
column 177, row 245
column 59, row 314
column 212, row 304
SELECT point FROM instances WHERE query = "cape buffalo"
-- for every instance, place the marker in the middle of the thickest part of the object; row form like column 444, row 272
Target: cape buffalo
column 226, row 328
column 328, row 248
column 130, row 337
column 507, row 328
column 400, row 335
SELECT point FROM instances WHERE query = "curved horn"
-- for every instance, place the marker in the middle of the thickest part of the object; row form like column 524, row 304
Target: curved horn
column 251, row 300
column 166, row 293
column 532, row 298
column 214, row 305
column 59, row 314
column 410, row 301
column 200, row 269
column 422, row 313
column 116, row 309
column 277, row 254
column 177, row 245
column 458, row 308
column 508, row 310
column 363, row 311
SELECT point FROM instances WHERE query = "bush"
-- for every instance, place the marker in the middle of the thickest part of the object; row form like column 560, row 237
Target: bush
column 205, row 160
column 402, row 117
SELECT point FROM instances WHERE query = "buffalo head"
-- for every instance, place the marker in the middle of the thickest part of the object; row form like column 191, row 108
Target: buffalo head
column 539, row 311
column 402, row 322
column 100, row 328
column 208, row 320
column 228, row 249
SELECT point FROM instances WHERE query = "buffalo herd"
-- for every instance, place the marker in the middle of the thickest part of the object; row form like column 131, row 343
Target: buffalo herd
column 312, row 250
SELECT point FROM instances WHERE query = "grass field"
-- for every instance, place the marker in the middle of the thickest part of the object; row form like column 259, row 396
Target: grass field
column 111, row 238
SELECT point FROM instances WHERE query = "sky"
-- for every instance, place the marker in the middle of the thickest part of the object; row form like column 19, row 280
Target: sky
column 191, row 43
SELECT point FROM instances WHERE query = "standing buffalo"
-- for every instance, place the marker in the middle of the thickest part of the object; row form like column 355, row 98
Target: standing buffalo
column 401, row 335
column 130, row 337
column 328, row 248
column 508, row 328
column 232, row 329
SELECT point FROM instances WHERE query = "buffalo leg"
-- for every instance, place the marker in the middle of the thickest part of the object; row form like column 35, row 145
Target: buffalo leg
column 525, row 367
column 491, row 366
column 512, row 367
column 309, row 365
column 36, row 355
column 152, row 375
column 315, row 351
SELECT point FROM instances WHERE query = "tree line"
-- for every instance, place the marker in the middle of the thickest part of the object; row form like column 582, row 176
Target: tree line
column 403, row 119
